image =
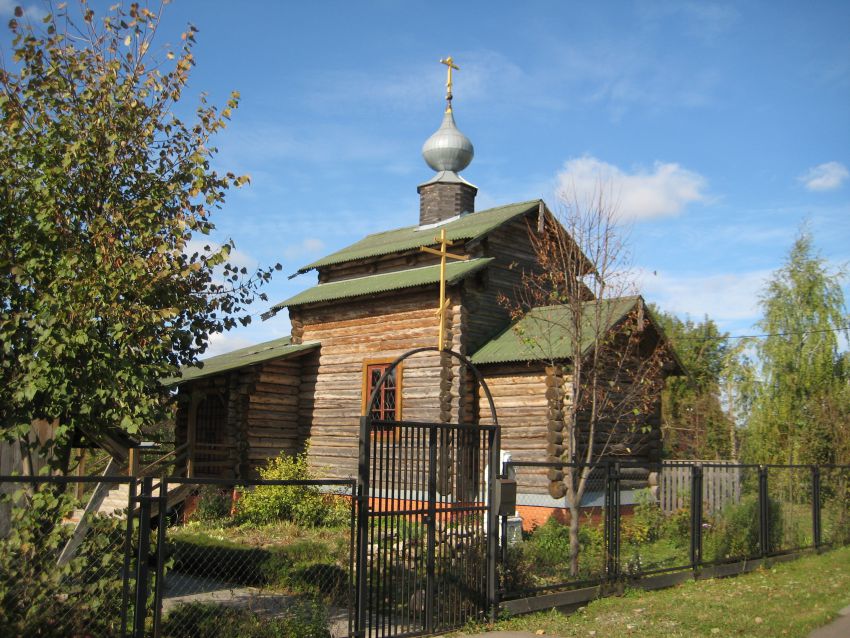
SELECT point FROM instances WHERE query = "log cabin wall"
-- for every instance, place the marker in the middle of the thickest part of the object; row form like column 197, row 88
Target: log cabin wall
column 271, row 421
column 352, row 332
column 530, row 400
column 519, row 393
column 261, row 404
column 394, row 262
column 513, row 254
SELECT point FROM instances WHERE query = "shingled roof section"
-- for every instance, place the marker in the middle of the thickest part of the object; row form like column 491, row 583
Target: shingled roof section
column 277, row 348
column 470, row 226
column 372, row 284
column 539, row 335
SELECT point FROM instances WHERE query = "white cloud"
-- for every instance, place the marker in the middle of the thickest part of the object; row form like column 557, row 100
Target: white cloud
column 221, row 343
column 825, row 177
column 306, row 247
column 728, row 298
column 665, row 190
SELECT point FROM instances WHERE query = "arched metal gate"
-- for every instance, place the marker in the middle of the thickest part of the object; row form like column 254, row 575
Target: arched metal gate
column 426, row 525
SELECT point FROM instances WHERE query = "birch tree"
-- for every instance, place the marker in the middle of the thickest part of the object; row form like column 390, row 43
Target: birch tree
column 598, row 342
column 102, row 189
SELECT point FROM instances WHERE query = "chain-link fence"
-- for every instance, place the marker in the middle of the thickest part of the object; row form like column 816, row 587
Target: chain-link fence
column 730, row 526
column 834, row 499
column 790, row 508
column 557, row 538
column 114, row 556
column 654, row 518
column 240, row 557
column 175, row 557
column 634, row 520
column 66, row 564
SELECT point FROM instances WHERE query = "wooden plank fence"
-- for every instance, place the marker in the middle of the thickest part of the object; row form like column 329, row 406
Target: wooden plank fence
column 721, row 484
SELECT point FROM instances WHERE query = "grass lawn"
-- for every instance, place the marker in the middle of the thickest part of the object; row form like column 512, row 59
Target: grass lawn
column 788, row 599
column 281, row 556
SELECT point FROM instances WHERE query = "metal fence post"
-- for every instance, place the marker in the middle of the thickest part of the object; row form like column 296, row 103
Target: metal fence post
column 696, row 516
column 430, row 573
column 764, row 511
column 612, row 520
column 142, row 568
column 492, row 525
column 816, row 513
column 362, row 525
column 128, row 552
column 159, row 584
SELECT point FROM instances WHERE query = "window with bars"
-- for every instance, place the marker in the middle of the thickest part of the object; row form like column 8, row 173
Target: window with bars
column 387, row 405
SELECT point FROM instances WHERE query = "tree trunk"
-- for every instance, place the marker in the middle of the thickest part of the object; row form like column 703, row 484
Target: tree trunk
column 574, row 543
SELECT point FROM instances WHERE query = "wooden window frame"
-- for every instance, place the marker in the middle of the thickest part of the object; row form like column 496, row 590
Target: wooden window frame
column 366, row 390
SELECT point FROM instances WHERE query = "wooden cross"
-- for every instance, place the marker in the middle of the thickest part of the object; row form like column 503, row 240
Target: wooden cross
column 444, row 303
column 450, row 63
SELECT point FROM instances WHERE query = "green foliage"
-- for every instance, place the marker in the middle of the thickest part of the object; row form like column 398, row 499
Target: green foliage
column 545, row 554
column 213, row 504
column 40, row 598
column 303, row 619
column 694, row 424
column 797, row 415
column 734, row 531
column 646, row 522
column 302, row 504
column 107, row 283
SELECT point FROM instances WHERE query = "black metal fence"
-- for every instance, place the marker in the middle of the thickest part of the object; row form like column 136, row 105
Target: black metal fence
column 176, row 558
column 423, row 526
column 579, row 526
column 212, row 557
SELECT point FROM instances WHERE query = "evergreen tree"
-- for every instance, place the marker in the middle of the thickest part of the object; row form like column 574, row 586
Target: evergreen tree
column 797, row 411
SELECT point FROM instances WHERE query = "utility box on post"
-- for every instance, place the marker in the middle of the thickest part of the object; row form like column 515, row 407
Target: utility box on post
column 506, row 497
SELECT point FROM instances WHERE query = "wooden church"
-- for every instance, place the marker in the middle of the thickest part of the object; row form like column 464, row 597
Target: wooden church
column 375, row 300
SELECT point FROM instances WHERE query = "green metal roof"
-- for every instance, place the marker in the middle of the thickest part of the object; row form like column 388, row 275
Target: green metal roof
column 358, row 286
column 277, row 348
column 540, row 336
column 469, row 226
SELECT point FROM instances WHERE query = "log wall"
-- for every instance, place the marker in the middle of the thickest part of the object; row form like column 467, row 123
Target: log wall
column 379, row 328
column 519, row 393
column 271, row 422
column 513, row 254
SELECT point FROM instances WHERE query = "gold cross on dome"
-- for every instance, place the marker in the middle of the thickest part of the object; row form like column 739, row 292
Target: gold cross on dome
column 450, row 63
column 444, row 303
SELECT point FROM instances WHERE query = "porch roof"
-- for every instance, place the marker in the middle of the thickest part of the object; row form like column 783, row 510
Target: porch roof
column 276, row 349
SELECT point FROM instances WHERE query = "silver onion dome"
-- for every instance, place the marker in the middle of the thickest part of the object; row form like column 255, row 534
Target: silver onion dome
column 448, row 149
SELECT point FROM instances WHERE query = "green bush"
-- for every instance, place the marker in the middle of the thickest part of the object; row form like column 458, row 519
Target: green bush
column 303, row 619
column 677, row 527
column 546, row 551
column 301, row 504
column 734, row 531
column 647, row 521
column 213, row 504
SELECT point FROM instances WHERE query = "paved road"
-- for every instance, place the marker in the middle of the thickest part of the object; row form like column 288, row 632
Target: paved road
column 838, row 628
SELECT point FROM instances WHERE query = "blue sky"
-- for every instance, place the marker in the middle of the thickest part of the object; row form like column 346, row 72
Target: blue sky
column 723, row 126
